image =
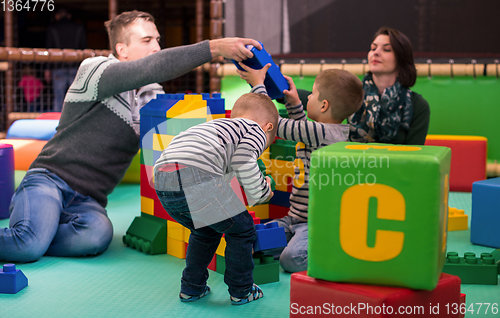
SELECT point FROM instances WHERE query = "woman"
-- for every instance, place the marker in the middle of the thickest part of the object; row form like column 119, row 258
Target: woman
column 391, row 113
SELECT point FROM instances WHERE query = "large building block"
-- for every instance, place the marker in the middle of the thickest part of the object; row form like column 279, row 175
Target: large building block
column 471, row 269
column 176, row 248
column 468, row 159
column 221, row 250
column 485, row 213
column 310, row 297
column 275, row 82
column 496, row 255
column 176, row 231
column 277, row 212
column 269, row 236
column 281, row 198
column 147, row 205
column 147, row 235
column 266, row 269
column 261, row 210
column 283, row 149
column 192, row 106
column 377, row 212
column 457, row 220
column 12, row 280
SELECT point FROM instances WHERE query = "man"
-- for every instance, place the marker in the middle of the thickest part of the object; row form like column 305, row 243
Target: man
column 59, row 208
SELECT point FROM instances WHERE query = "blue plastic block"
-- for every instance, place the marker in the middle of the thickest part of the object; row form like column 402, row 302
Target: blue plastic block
column 275, row 82
column 156, row 155
column 216, row 104
column 281, row 198
column 12, row 280
column 158, row 107
column 32, row 129
column 485, row 213
column 269, row 236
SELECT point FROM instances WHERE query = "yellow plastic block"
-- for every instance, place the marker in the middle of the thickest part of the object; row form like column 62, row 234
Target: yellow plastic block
column 457, row 220
column 187, row 233
column 221, row 250
column 160, row 141
column 215, row 116
column 192, row 106
column 176, row 231
column 147, row 205
column 266, row 159
column 176, row 248
column 261, row 211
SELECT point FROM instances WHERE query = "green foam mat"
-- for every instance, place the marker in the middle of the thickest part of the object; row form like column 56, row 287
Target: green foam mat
column 123, row 282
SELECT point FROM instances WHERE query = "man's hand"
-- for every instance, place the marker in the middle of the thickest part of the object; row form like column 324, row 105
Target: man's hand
column 233, row 48
column 251, row 76
column 291, row 94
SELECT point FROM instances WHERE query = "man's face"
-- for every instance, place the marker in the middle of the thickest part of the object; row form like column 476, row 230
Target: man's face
column 143, row 41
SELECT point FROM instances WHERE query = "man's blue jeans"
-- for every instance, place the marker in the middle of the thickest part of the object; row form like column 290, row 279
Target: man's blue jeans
column 49, row 218
column 190, row 191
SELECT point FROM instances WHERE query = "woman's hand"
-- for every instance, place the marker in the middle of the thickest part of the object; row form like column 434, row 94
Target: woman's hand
column 253, row 77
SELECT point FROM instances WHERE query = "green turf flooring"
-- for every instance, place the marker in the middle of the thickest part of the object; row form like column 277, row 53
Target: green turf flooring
column 123, row 282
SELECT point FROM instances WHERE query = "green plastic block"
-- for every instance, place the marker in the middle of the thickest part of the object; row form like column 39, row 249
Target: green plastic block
column 147, row 235
column 377, row 213
column 283, row 113
column 283, row 150
column 471, row 269
column 266, row 270
column 496, row 256
column 262, row 168
column 177, row 125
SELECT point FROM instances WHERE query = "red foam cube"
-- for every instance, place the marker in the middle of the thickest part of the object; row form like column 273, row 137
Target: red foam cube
column 468, row 159
column 310, row 297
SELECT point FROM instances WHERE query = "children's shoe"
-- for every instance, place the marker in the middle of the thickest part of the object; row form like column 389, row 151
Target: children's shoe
column 186, row 298
column 254, row 294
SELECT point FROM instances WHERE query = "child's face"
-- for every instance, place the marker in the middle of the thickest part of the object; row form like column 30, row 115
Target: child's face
column 314, row 104
column 381, row 57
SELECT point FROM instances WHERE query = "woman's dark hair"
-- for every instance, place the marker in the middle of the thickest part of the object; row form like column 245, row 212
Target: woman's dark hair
column 404, row 55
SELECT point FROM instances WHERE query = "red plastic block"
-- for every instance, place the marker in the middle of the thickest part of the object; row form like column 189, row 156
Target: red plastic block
column 468, row 159
column 256, row 220
column 147, row 185
column 277, row 212
column 213, row 263
column 160, row 212
column 310, row 297
column 228, row 113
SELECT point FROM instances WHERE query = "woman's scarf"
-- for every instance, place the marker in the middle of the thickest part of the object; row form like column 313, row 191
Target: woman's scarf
column 379, row 118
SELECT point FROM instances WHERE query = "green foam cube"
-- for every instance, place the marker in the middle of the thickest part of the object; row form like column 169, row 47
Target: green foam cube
column 378, row 214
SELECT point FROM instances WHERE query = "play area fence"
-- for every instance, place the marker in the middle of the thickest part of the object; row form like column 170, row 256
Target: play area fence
column 26, row 85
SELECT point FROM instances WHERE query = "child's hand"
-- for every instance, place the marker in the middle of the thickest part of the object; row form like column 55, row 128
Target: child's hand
column 292, row 97
column 268, row 180
column 253, row 77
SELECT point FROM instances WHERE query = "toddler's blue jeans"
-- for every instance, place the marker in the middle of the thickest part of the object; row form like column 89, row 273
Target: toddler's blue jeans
column 190, row 193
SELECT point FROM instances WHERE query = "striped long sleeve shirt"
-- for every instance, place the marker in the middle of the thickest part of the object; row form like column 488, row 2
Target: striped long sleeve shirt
column 224, row 147
column 309, row 135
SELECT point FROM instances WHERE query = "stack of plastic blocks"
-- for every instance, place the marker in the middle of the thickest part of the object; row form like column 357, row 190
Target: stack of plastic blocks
column 161, row 120
column 281, row 164
column 468, row 159
column 266, row 268
column 377, row 212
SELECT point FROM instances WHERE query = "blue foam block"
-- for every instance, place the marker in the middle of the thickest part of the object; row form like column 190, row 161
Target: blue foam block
column 275, row 82
column 32, row 129
column 484, row 229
